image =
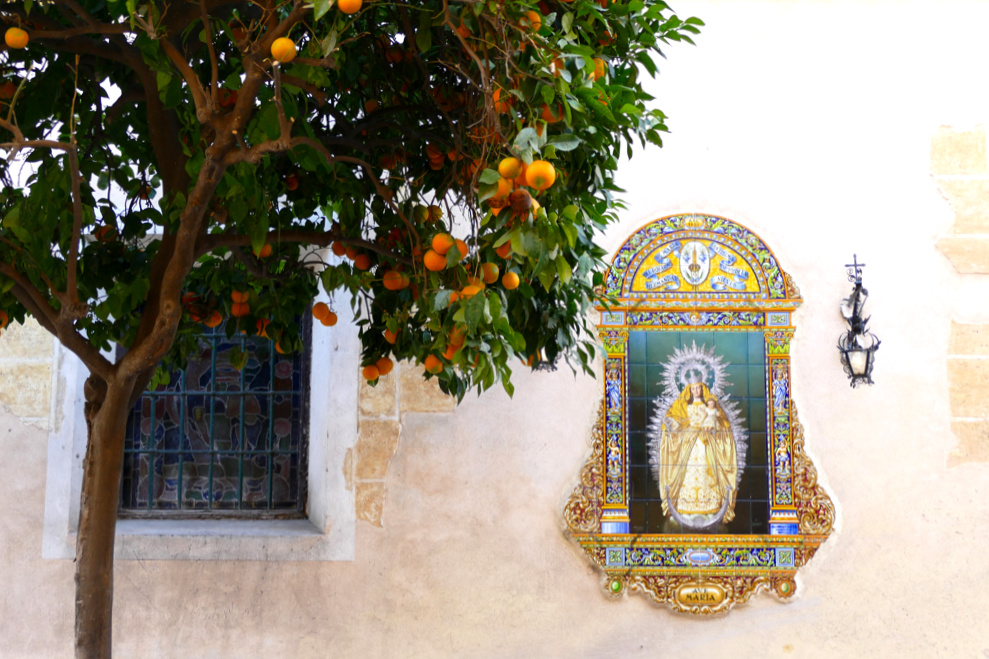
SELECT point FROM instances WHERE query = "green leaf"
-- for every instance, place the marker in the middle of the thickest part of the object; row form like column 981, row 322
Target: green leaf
column 563, row 269
column 527, row 138
column 546, row 277
column 489, row 176
column 424, row 35
column 320, row 7
column 565, row 142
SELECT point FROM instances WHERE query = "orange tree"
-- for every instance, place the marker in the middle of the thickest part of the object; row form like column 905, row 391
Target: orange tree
column 175, row 164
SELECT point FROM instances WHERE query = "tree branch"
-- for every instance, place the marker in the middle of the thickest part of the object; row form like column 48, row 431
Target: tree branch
column 214, row 67
column 203, row 106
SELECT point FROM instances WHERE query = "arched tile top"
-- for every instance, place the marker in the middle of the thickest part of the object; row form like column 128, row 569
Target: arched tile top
column 694, row 260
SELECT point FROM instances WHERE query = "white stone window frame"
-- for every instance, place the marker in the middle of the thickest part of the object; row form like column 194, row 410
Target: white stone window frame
column 327, row 532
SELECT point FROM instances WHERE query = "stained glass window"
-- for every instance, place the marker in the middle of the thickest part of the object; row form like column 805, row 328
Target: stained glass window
column 218, row 441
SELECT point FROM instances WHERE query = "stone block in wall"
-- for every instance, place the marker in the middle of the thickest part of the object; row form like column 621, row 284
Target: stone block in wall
column 370, row 502
column 959, row 151
column 969, row 254
column 973, row 442
column 969, row 339
column 26, row 388
column 968, row 387
column 420, row 395
column 376, row 444
column 969, row 198
column 27, row 341
column 379, row 400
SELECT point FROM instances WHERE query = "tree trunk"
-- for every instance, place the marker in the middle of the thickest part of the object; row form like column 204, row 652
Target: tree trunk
column 106, row 420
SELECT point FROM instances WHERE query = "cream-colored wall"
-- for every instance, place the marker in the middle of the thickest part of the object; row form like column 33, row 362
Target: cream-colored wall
column 811, row 123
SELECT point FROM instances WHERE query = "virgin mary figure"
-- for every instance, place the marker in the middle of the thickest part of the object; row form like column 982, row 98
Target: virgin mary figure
column 699, row 466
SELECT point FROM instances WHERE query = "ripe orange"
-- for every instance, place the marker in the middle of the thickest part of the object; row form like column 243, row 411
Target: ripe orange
column 510, row 281
column 362, row 262
column 349, row 6
column 505, row 250
column 520, row 179
column 214, row 319
column 470, row 291
column 451, row 350
column 385, row 365
column 433, row 261
column 395, row 280
column 329, row 320
column 442, row 242
column 532, row 21
column 262, row 327
column 292, row 182
column 16, row 38
column 370, row 373
column 283, row 50
column 489, row 273
column 319, row 310
column 240, row 309
column 4, row 319
column 462, row 248
column 338, row 248
column 7, row 90
column 433, row 364
column 551, row 115
column 456, row 336
column 540, row 175
column 600, row 66
column 391, row 336
column 501, row 106
column 264, row 252
column 239, row 296
column 510, row 168
column 504, row 188
column 351, row 252
column 278, row 348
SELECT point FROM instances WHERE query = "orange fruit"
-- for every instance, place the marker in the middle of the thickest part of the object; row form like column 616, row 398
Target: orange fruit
column 214, row 319
column 433, row 261
column 385, row 365
column 292, row 182
column 338, row 248
column 551, row 115
column 395, row 280
column 351, row 252
column 510, row 168
column 7, row 90
column 540, row 174
column 558, row 66
column 520, row 179
column 532, row 21
column 16, row 38
column 442, row 242
column 462, row 248
column 454, row 296
column 433, row 364
column 362, row 262
column 370, row 373
column 504, row 189
column 600, row 66
column 278, row 348
column 240, row 309
column 349, row 6
column 470, row 291
column 329, row 320
column 510, row 281
column 451, row 350
column 4, row 319
column 262, row 327
column 239, row 296
column 283, row 50
column 319, row 310
column 489, row 273
column 505, row 250
column 456, row 336
column 391, row 336
column 501, row 106
column 264, row 252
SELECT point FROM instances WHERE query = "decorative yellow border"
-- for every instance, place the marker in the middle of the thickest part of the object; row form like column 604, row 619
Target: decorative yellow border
column 699, row 574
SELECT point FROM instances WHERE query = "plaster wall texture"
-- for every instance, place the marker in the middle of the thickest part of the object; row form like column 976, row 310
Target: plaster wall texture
column 809, row 122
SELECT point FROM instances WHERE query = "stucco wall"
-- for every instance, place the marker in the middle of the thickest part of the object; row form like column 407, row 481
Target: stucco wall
column 815, row 125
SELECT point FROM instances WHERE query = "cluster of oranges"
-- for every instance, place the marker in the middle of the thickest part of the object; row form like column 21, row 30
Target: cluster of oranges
column 321, row 312
column 361, row 260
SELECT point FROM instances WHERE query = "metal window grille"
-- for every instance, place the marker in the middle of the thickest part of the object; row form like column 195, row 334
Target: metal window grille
column 220, row 442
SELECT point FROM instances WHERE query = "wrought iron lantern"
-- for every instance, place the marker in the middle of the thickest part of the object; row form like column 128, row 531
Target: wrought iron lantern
column 858, row 345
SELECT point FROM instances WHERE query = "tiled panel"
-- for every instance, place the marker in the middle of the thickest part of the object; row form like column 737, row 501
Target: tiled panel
column 744, row 354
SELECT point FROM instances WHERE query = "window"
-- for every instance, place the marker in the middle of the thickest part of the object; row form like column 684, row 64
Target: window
column 324, row 524
column 221, row 441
